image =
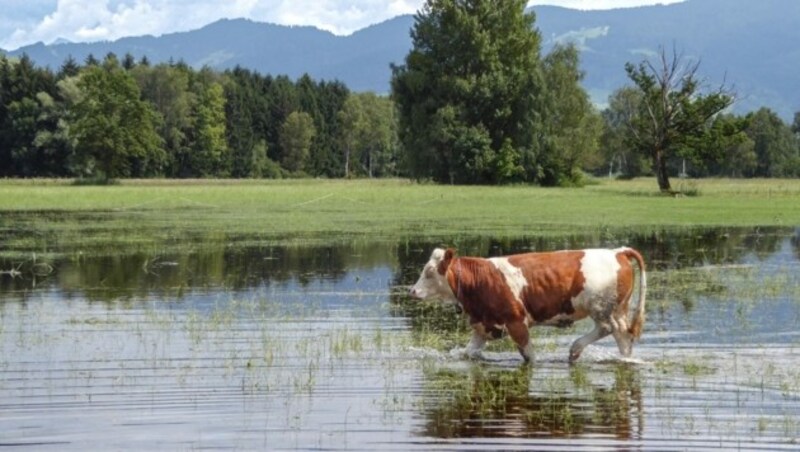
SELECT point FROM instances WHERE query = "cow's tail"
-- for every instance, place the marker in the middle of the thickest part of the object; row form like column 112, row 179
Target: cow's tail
column 636, row 325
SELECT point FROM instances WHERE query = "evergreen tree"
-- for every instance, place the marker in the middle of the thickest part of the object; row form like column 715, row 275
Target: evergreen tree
column 91, row 60
column 128, row 62
column 69, row 68
column 240, row 98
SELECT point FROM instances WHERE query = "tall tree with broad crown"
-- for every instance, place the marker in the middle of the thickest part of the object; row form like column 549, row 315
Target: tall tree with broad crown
column 113, row 126
column 470, row 92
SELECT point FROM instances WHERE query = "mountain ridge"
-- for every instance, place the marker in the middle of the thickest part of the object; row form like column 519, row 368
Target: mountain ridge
column 748, row 45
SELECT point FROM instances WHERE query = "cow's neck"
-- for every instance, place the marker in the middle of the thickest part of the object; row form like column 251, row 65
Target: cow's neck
column 456, row 282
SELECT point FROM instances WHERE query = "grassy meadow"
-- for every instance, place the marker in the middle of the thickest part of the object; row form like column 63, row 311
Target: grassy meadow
column 151, row 212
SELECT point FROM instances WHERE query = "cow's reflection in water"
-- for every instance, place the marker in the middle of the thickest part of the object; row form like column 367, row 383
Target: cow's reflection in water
column 604, row 401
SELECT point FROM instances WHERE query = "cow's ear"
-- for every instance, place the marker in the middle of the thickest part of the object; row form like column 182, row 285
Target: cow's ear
column 445, row 263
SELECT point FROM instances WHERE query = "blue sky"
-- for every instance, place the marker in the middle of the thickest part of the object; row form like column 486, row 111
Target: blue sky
column 24, row 22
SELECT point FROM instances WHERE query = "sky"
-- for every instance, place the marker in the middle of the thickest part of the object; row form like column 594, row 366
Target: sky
column 24, row 22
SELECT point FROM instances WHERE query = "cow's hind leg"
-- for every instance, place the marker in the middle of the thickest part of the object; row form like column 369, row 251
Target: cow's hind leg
column 600, row 331
column 619, row 328
column 521, row 336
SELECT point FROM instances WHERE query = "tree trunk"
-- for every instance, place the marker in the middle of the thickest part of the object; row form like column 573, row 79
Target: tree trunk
column 347, row 163
column 660, row 167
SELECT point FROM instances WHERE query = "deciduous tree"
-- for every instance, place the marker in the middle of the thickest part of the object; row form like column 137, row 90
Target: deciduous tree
column 673, row 112
column 469, row 94
column 297, row 135
column 113, row 127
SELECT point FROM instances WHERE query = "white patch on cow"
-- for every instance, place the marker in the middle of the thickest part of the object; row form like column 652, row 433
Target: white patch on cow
column 437, row 255
column 513, row 275
column 599, row 268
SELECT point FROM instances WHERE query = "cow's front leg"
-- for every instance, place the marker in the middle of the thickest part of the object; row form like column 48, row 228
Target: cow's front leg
column 477, row 341
column 519, row 333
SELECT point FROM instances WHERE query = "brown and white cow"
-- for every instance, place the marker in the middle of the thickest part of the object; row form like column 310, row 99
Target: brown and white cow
column 512, row 293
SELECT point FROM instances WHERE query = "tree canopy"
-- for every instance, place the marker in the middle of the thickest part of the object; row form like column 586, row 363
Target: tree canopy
column 114, row 129
column 472, row 95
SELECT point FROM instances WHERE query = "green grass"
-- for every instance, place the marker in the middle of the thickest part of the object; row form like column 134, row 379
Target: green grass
column 144, row 212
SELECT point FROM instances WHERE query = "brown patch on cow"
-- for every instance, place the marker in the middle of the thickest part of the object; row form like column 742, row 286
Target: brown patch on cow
column 445, row 263
column 554, row 279
column 624, row 282
column 483, row 292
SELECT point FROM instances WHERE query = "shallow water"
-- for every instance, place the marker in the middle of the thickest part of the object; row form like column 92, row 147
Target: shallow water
column 270, row 347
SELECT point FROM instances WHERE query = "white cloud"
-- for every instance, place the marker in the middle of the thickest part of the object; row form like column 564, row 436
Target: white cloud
column 89, row 20
column 600, row 4
column 92, row 20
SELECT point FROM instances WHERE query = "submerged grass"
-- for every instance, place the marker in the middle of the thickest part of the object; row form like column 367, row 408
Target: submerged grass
column 51, row 216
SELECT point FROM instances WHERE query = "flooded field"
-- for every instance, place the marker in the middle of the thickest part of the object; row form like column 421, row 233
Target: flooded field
column 318, row 347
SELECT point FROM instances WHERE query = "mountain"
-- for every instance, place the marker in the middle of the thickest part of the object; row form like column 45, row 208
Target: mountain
column 750, row 46
column 361, row 60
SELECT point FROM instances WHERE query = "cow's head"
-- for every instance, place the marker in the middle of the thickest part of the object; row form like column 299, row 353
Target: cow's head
column 432, row 283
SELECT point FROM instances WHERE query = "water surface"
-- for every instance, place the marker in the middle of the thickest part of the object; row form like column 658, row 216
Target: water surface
column 282, row 347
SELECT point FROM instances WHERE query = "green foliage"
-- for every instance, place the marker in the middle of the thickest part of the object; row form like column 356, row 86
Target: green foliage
column 471, row 85
column 477, row 103
column 208, row 147
column 368, row 135
column 776, row 148
column 724, row 149
column 573, row 126
column 114, row 130
column 622, row 159
column 167, row 90
column 23, row 87
column 297, row 134
column 257, row 106
column 466, row 113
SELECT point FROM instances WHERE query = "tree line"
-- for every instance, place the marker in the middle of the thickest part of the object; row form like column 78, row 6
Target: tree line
column 112, row 118
column 476, row 101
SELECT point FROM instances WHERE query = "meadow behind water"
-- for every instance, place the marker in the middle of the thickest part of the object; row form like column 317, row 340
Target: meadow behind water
column 149, row 211
column 272, row 314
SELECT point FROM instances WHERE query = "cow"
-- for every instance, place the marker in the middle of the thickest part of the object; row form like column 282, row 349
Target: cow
column 510, row 294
